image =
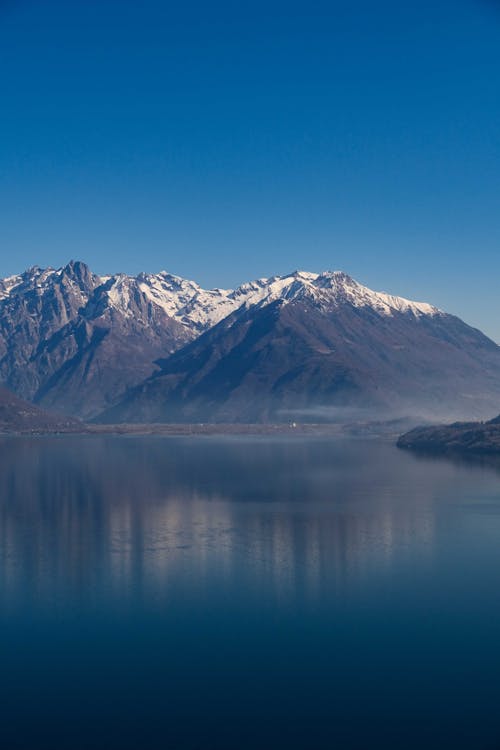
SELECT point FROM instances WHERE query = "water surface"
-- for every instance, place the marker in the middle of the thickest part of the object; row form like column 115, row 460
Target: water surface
column 246, row 593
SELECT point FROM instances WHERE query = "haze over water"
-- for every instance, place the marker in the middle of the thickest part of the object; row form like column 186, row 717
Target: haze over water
column 243, row 593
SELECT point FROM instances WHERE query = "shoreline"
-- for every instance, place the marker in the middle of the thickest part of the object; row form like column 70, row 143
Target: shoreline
column 352, row 429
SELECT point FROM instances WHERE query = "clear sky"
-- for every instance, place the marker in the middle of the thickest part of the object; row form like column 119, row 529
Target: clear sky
column 225, row 141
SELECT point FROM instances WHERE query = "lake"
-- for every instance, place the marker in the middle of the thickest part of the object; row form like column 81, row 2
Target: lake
column 213, row 593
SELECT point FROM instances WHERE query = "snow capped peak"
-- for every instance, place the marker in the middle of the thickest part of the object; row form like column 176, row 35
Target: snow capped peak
column 339, row 287
column 8, row 284
column 328, row 290
column 185, row 300
column 75, row 274
column 304, row 275
column 34, row 278
column 119, row 291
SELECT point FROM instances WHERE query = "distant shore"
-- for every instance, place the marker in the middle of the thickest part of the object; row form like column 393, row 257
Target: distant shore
column 477, row 438
column 391, row 428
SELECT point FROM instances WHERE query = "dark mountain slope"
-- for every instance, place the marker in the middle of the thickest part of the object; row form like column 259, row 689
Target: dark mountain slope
column 479, row 438
column 17, row 415
column 300, row 357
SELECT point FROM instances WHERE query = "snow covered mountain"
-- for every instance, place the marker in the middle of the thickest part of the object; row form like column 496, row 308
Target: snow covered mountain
column 73, row 341
column 81, row 343
column 200, row 309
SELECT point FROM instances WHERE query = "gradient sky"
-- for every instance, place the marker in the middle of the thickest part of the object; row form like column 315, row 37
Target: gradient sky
column 223, row 142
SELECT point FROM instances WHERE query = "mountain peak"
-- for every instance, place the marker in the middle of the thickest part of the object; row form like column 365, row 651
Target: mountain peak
column 305, row 275
column 76, row 267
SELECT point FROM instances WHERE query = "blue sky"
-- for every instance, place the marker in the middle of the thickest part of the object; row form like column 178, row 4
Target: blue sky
column 223, row 142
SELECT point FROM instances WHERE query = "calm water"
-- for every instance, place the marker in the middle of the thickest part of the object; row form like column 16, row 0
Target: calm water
column 216, row 593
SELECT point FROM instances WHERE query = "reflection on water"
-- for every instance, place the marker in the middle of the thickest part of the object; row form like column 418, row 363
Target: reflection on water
column 119, row 515
column 246, row 593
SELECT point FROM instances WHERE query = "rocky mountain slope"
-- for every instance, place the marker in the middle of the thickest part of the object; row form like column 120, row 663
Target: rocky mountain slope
column 74, row 341
column 314, row 347
column 159, row 347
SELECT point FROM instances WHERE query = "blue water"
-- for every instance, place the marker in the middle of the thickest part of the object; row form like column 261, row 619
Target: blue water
column 217, row 593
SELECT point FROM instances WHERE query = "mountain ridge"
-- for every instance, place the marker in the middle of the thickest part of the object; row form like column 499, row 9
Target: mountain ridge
column 80, row 343
column 181, row 298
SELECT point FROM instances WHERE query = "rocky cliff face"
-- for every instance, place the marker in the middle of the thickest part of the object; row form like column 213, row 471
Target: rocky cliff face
column 68, row 341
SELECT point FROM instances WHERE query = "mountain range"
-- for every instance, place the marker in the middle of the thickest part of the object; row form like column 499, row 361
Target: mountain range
column 308, row 346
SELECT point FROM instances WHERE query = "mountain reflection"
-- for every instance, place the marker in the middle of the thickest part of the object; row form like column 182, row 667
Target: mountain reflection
column 152, row 517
